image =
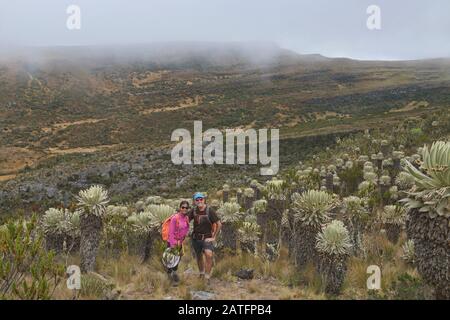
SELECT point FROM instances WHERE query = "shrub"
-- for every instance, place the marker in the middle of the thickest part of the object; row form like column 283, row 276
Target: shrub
column 333, row 244
column 61, row 228
column 27, row 271
column 92, row 205
column 408, row 252
column 429, row 215
column 310, row 210
column 408, row 287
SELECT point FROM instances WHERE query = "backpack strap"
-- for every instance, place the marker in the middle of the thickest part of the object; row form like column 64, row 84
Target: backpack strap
column 207, row 214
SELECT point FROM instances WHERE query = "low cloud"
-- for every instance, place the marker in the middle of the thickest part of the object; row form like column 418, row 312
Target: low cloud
column 410, row 29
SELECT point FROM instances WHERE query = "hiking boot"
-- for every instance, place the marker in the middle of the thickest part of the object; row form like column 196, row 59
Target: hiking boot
column 175, row 278
column 207, row 279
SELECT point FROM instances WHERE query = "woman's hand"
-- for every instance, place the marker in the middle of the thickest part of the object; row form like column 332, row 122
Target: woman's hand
column 210, row 239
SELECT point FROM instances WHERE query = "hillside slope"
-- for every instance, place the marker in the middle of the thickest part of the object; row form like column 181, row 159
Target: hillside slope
column 71, row 116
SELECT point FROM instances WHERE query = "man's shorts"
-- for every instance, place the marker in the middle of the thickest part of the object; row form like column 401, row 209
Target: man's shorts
column 200, row 245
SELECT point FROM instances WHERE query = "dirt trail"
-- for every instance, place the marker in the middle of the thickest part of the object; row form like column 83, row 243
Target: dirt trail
column 187, row 103
column 411, row 106
column 7, row 177
column 255, row 289
column 80, row 149
column 141, row 81
column 14, row 159
column 60, row 126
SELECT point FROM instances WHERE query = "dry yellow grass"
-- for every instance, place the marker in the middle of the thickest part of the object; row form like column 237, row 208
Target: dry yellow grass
column 273, row 280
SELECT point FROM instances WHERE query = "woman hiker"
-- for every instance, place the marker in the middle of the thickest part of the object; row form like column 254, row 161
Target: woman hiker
column 178, row 229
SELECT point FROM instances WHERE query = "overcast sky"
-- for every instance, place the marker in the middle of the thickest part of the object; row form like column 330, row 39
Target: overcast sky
column 410, row 29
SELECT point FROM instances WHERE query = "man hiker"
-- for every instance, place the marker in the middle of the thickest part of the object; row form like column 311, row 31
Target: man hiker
column 206, row 227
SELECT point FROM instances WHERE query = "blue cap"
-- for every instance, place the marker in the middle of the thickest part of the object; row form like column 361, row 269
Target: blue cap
column 198, row 195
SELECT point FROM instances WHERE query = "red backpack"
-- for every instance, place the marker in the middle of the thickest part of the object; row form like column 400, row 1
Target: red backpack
column 166, row 225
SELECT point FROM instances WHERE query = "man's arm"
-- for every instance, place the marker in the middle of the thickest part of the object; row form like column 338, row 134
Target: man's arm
column 217, row 225
column 216, row 230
